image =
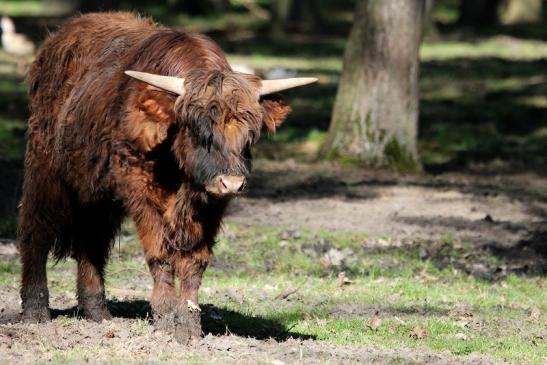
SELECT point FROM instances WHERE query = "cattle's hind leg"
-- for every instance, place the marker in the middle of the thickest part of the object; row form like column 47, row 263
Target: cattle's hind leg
column 34, row 291
column 95, row 230
column 42, row 222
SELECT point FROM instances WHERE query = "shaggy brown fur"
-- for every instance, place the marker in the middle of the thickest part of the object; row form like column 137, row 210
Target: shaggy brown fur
column 102, row 145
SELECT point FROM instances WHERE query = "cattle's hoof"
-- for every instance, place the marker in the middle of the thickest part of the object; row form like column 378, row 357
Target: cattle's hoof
column 184, row 324
column 36, row 315
column 94, row 307
column 97, row 315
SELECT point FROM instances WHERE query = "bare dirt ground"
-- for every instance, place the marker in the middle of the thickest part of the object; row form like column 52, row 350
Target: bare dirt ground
column 500, row 209
column 502, row 212
column 120, row 339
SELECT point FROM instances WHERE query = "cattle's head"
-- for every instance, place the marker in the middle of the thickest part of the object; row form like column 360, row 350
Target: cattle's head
column 218, row 116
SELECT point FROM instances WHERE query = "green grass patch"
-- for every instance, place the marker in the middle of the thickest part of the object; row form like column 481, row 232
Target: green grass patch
column 271, row 282
column 22, row 8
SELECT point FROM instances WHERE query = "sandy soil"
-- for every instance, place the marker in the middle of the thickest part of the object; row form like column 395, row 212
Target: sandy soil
column 506, row 212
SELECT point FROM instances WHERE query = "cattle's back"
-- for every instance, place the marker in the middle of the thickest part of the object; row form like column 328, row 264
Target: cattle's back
column 73, row 95
column 91, row 44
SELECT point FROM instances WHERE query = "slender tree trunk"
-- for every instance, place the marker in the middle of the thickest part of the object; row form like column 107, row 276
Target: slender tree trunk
column 69, row 7
column 521, row 11
column 479, row 13
column 293, row 15
column 305, row 15
column 375, row 115
column 430, row 29
column 64, row 7
column 280, row 16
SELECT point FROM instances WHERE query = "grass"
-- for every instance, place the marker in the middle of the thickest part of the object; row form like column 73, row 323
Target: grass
column 482, row 103
column 460, row 313
column 474, row 96
column 22, row 8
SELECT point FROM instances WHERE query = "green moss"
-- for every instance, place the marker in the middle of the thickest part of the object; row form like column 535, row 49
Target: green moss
column 399, row 158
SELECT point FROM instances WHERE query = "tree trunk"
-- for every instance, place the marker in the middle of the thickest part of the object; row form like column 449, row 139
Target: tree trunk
column 430, row 29
column 61, row 7
column 280, row 17
column 521, row 11
column 69, row 7
column 375, row 115
column 292, row 15
column 102, row 5
column 479, row 13
column 305, row 15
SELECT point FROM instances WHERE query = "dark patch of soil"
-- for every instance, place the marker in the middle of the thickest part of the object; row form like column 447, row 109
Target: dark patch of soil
column 503, row 215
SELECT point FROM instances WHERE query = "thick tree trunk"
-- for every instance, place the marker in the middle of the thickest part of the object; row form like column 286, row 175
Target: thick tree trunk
column 521, row 11
column 376, row 110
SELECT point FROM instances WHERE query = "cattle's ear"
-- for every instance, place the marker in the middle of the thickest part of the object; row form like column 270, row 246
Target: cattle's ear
column 275, row 111
column 157, row 105
column 151, row 118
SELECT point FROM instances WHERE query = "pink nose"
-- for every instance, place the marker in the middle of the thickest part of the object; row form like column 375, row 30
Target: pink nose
column 227, row 184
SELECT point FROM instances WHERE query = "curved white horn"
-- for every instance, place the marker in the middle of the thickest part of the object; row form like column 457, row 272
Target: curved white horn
column 168, row 83
column 273, row 86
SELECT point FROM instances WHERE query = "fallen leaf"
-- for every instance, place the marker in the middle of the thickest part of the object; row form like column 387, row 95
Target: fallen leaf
column 488, row 218
column 322, row 322
column 109, row 334
column 535, row 314
column 343, row 280
column 192, row 307
column 425, row 276
column 375, row 322
column 286, row 294
column 418, row 332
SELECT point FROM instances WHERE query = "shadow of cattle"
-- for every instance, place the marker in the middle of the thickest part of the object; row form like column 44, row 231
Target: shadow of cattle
column 215, row 320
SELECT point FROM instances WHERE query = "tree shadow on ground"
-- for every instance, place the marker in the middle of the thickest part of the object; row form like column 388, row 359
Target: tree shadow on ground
column 493, row 113
column 345, row 311
column 497, row 248
column 215, row 320
column 471, row 34
column 265, row 184
column 279, row 184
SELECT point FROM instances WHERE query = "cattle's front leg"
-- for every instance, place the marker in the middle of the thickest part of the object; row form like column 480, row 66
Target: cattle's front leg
column 161, row 268
column 90, row 287
column 170, row 313
column 190, row 267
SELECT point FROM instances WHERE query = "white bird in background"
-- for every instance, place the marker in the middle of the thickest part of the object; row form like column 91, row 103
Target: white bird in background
column 16, row 44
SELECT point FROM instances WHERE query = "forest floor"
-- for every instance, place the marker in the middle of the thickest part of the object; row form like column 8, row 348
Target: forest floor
column 331, row 263
column 323, row 264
